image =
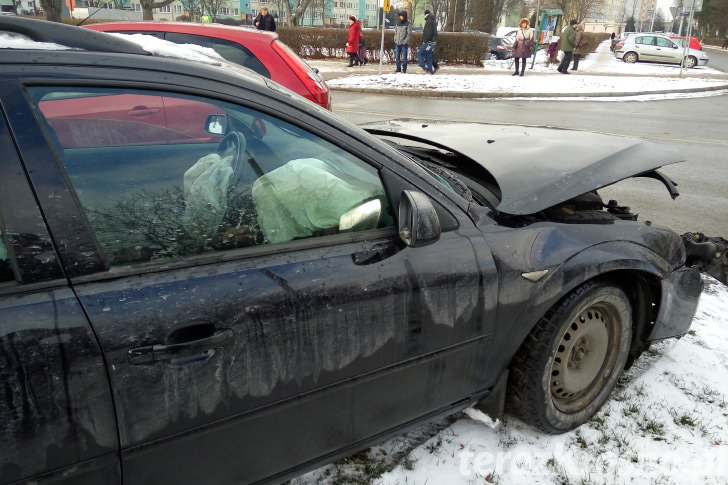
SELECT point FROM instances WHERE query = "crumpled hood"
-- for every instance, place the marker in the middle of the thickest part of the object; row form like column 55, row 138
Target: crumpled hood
column 538, row 167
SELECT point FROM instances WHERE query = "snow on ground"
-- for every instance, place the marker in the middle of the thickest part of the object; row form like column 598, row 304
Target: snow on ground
column 667, row 423
column 599, row 72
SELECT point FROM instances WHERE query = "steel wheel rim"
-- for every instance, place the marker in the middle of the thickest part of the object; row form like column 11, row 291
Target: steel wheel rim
column 585, row 357
column 689, row 62
column 630, row 58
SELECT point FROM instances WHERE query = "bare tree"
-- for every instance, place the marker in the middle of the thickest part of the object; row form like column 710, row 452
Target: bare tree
column 212, row 7
column 579, row 9
column 149, row 5
column 192, row 6
column 53, row 9
column 297, row 10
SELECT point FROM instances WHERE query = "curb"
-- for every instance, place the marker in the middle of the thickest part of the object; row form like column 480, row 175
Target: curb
column 422, row 93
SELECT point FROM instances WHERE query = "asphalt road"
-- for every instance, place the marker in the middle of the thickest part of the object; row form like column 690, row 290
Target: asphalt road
column 718, row 59
column 694, row 126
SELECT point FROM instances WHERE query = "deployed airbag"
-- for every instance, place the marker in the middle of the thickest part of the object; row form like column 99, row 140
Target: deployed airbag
column 305, row 196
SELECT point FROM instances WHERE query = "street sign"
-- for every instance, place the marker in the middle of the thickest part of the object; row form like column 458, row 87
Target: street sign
column 649, row 10
column 387, row 5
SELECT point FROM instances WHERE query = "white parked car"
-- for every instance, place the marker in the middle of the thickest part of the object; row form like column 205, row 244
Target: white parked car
column 658, row 48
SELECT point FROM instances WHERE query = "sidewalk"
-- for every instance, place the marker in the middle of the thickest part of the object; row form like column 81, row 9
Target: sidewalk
column 600, row 74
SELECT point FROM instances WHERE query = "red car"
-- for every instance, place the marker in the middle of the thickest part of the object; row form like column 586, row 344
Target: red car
column 694, row 43
column 257, row 50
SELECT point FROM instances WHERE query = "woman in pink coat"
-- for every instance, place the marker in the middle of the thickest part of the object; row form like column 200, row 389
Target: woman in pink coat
column 352, row 43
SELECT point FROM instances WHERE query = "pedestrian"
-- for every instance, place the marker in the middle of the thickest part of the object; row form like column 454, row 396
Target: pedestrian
column 352, row 42
column 362, row 49
column 429, row 41
column 552, row 54
column 402, row 35
column 265, row 21
column 523, row 46
column 725, row 42
column 568, row 42
column 613, row 36
column 580, row 43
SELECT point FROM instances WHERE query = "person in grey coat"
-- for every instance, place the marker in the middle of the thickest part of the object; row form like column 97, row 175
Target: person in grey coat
column 402, row 34
column 568, row 42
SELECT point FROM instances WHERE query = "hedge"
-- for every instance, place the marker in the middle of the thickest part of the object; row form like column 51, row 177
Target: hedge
column 453, row 47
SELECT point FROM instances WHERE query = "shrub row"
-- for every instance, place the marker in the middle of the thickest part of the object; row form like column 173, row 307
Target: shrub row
column 454, row 47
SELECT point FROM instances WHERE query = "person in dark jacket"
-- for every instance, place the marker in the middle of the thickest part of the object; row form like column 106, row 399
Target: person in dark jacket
column 429, row 41
column 568, row 43
column 265, row 21
column 352, row 42
column 362, row 49
column 402, row 35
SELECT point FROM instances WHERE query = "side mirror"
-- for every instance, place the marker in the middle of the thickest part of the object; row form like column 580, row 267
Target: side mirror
column 418, row 221
column 216, row 124
column 361, row 217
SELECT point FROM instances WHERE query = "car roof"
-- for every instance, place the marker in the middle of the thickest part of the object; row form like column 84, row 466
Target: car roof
column 41, row 31
column 217, row 30
column 89, row 50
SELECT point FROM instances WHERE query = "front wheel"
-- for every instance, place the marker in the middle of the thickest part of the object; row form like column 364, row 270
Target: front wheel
column 690, row 62
column 630, row 57
column 570, row 362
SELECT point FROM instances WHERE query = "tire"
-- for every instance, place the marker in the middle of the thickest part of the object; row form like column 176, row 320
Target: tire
column 690, row 62
column 494, row 56
column 569, row 364
column 630, row 57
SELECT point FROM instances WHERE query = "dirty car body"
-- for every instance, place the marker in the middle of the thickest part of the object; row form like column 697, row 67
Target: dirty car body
column 245, row 306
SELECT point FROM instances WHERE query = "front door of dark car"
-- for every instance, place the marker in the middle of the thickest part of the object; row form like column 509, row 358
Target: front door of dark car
column 56, row 413
column 249, row 326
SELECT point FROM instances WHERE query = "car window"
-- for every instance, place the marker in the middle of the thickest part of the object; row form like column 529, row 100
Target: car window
column 662, row 42
column 645, row 40
column 232, row 51
column 264, row 181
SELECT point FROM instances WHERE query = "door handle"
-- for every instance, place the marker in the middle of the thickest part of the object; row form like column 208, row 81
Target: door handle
column 140, row 111
column 161, row 352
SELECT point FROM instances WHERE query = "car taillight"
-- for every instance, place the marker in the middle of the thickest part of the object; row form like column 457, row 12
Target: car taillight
column 310, row 78
column 499, row 47
column 620, row 45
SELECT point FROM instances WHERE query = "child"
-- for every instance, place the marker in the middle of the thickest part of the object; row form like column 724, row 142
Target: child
column 553, row 50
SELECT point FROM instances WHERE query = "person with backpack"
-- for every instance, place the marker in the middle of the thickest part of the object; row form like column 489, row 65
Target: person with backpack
column 402, row 35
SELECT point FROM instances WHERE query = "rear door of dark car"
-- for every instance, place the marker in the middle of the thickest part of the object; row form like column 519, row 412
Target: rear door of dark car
column 245, row 334
column 56, row 414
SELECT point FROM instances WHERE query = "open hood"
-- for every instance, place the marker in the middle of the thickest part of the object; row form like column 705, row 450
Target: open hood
column 538, row 167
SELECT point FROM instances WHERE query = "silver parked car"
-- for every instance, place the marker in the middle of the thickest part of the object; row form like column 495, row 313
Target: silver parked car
column 658, row 48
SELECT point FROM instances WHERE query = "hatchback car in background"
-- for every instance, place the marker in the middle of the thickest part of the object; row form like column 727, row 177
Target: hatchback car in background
column 500, row 48
column 619, row 38
column 246, row 304
column 257, row 50
column 694, row 43
column 658, row 48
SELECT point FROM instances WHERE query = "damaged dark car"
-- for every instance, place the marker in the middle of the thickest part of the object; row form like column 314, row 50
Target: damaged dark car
column 207, row 279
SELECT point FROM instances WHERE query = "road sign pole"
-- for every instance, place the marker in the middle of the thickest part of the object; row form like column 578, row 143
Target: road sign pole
column 385, row 8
